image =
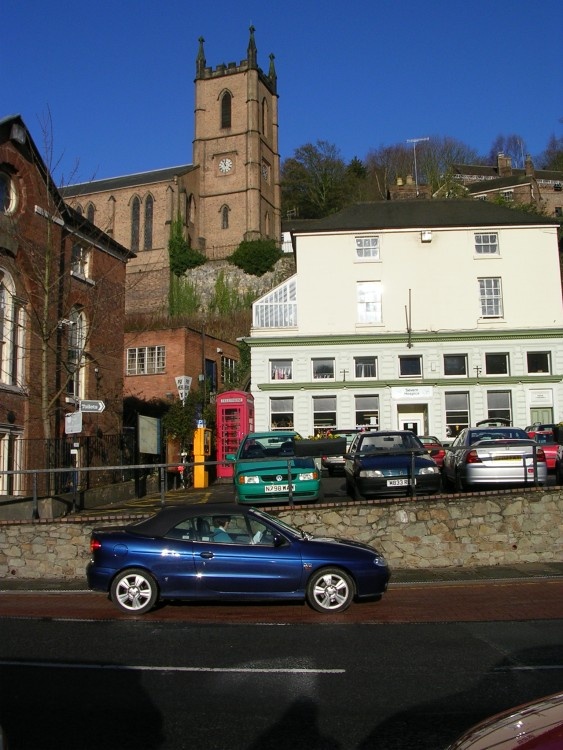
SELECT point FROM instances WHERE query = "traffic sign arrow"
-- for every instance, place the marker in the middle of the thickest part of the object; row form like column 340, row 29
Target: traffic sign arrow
column 92, row 406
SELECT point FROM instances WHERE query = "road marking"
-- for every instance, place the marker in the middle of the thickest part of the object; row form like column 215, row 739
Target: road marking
column 524, row 668
column 145, row 668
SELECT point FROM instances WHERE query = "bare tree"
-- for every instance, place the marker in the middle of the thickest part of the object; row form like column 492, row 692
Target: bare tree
column 510, row 145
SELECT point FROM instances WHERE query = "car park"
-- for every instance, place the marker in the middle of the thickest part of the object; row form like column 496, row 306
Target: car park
column 434, row 447
column 389, row 463
column 335, row 463
column 499, row 456
column 228, row 552
column 537, row 725
column 266, row 470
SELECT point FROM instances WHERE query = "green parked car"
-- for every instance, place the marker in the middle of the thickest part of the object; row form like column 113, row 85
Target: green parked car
column 264, row 462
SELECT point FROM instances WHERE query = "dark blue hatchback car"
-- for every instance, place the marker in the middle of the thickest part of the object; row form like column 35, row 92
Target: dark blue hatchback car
column 390, row 463
column 229, row 552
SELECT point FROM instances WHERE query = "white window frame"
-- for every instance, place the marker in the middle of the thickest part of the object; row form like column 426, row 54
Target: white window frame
column 368, row 302
column 228, row 369
column 8, row 194
column 369, row 407
column 278, row 308
column 285, row 406
column 367, row 248
column 486, row 243
column 323, row 362
column 281, row 369
column 360, row 367
column 410, row 357
column 498, row 412
column 12, row 332
column 328, row 404
column 76, row 357
column 490, row 297
column 80, row 261
column 455, row 375
column 547, row 356
column 11, row 457
column 505, row 358
column 146, row 360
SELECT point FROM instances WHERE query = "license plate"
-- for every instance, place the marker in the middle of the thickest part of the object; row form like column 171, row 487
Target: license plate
column 278, row 488
column 397, row 482
column 507, row 458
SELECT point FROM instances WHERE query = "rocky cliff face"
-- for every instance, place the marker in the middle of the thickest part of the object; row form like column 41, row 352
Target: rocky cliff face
column 204, row 279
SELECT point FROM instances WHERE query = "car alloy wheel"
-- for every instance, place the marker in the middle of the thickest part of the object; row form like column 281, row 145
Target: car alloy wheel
column 134, row 591
column 330, row 590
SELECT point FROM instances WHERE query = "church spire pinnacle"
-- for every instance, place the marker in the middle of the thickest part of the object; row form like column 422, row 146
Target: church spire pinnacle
column 200, row 59
column 251, row 53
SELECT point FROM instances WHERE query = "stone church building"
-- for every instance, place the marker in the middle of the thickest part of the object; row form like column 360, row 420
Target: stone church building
column 229, row 193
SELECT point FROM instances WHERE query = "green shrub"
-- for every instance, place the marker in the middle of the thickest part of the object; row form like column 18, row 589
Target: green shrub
column 182, row 256
column 256, row 257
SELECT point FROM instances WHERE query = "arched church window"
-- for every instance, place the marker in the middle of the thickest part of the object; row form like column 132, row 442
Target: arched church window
column 225, row 217
column 90, row 212
column 226, row 110
column 135, row 220
column 149, row 205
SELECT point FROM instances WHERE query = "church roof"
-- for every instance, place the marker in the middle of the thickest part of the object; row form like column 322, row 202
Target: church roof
column 126, row 181
column 408, row 214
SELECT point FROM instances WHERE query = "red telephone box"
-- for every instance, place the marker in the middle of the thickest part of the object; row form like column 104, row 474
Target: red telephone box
column 235, row 418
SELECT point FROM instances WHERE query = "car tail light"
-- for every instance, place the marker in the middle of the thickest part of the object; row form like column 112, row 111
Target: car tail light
column 473, row 458
column 540, row 455
column 95, row 544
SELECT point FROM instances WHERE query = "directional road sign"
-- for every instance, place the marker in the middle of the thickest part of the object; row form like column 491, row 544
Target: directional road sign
column 183, row 383
column 92, row 406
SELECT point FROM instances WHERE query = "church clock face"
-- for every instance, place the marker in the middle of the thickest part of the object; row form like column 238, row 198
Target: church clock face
column 225, row 165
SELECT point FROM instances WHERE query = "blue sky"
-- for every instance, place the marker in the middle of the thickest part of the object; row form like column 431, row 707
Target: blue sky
column 117, row 77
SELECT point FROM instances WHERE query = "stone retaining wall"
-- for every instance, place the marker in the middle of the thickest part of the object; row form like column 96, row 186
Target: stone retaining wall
column 439, row 532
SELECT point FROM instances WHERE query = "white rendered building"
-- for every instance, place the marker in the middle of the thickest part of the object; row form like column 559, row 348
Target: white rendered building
column 422, row 315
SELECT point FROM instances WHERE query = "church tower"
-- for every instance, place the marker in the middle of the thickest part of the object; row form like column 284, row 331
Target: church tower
column 235, row 154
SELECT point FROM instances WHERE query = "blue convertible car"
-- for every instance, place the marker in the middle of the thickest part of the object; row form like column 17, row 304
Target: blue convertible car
column 229, row 552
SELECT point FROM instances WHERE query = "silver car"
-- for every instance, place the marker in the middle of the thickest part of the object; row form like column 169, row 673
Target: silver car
column 501, row 456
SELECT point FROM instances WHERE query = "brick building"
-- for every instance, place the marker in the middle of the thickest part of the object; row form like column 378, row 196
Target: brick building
column 154, row 359
column 230, row 191
column 62, row 310
column 540, row 187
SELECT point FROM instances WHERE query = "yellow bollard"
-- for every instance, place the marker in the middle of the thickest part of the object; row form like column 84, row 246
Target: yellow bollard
column 202, row 450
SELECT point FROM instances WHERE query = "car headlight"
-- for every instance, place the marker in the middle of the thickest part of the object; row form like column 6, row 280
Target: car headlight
column 429, row 470
column 370, row 473
column 246, row 479
column 308, row 476
column 379, row 560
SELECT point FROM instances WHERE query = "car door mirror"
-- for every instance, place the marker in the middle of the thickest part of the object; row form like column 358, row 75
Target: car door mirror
column 279, row 540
